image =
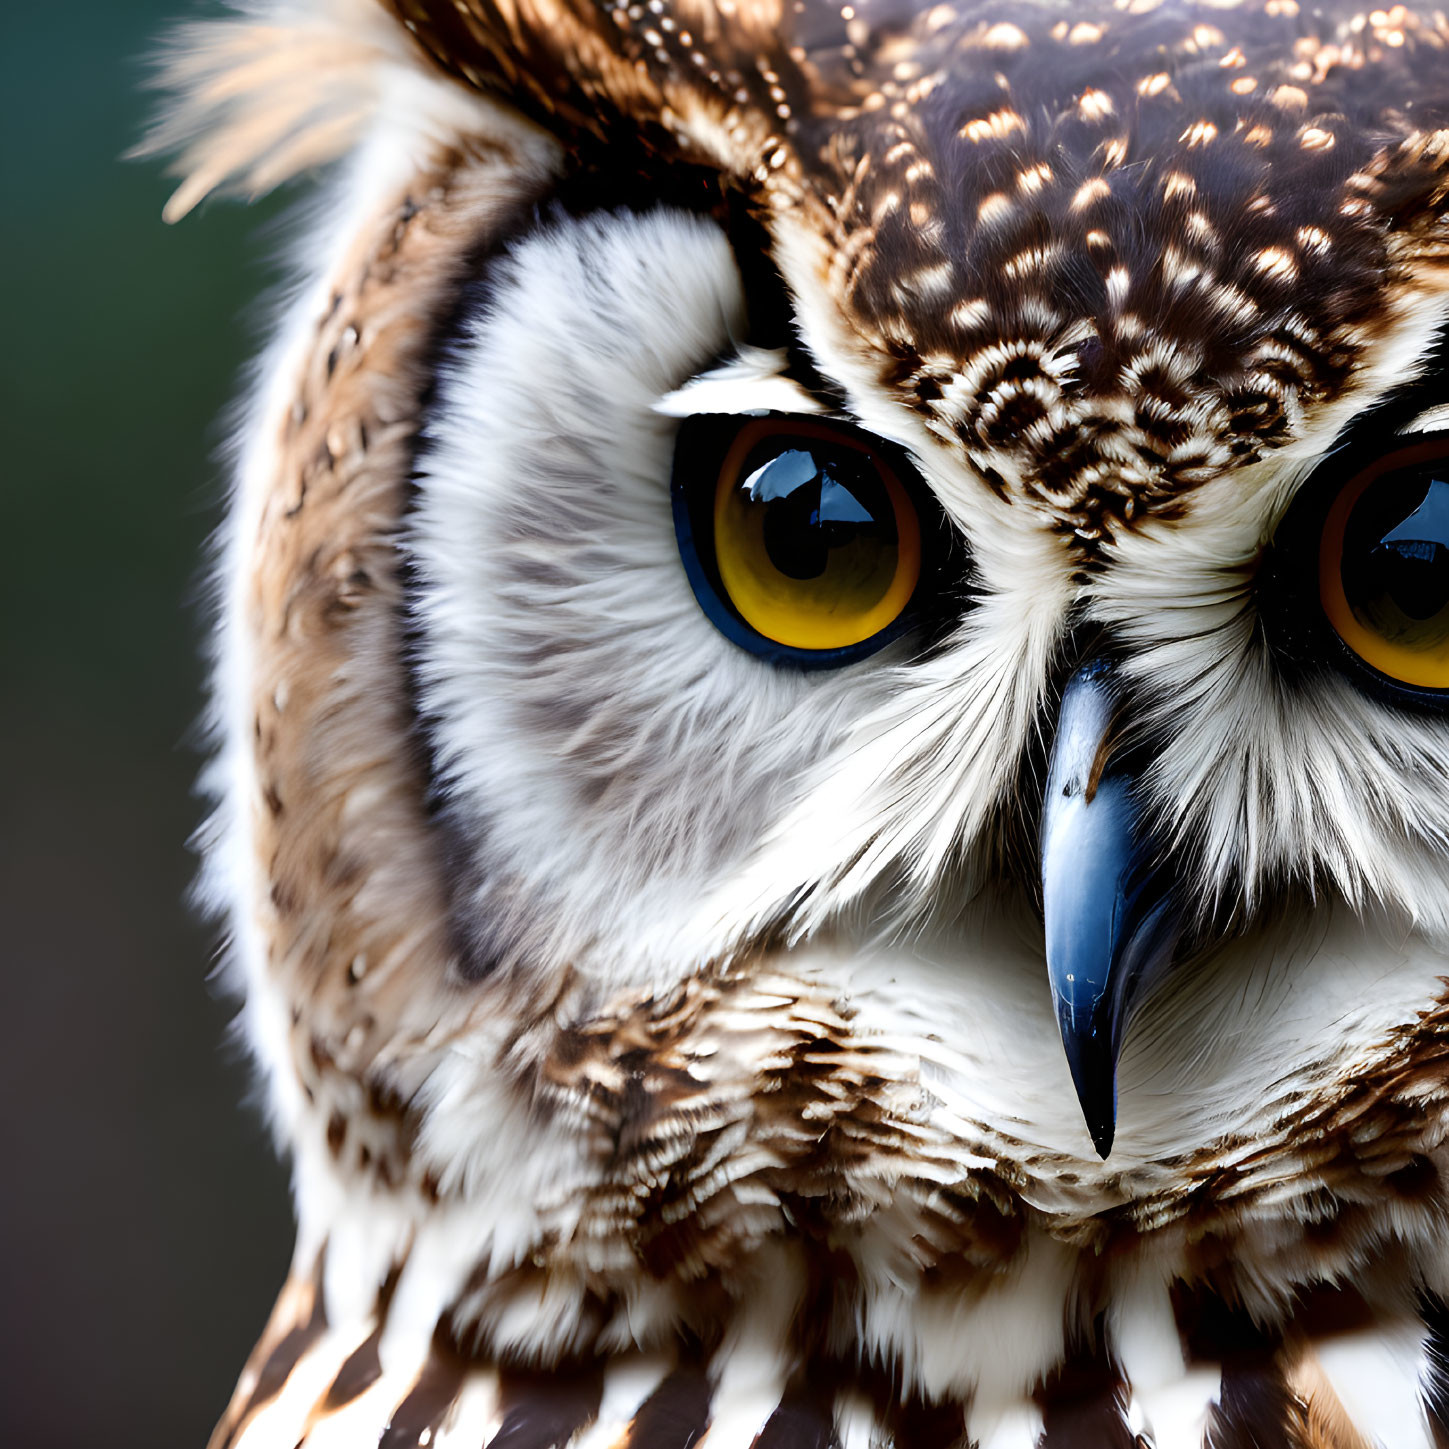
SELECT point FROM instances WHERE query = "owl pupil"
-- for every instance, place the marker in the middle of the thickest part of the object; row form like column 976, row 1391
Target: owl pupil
column 814, row 506
column 1415, row 575
column 1396, row 557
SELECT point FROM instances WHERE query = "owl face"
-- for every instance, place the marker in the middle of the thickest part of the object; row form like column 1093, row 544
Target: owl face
column 838, row 633
column 637, row 780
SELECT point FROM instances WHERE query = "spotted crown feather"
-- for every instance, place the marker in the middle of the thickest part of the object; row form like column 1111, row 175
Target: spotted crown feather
column 1162, row 232
column 1111, row 256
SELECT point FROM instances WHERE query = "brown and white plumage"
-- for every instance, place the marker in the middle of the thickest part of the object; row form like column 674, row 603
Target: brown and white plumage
column 661, row 1042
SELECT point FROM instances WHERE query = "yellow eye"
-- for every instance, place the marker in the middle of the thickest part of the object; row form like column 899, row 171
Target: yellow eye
column 1383, row 565
column 817, row 544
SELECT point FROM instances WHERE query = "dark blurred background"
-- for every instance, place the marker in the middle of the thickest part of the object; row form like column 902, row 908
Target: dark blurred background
column 145, row 1220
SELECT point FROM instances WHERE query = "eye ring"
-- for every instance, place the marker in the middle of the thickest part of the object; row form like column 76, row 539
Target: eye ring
column 812, row 585
column 1402, row 664
column 1318, row 559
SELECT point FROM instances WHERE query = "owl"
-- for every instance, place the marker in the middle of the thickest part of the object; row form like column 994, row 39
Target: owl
column 831, row 719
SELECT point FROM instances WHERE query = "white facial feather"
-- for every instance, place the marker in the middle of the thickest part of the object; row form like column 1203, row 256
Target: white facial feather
column 608, row 753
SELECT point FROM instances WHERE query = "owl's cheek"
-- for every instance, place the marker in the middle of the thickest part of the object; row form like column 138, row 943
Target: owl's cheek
column 600, row 754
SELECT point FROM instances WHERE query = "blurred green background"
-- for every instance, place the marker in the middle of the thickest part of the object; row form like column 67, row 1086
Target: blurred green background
column 145, row 1219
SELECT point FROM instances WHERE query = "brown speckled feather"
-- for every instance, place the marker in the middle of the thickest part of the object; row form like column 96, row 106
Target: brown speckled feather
column 351, row 900
column 1108, row 255
column 1112, row 255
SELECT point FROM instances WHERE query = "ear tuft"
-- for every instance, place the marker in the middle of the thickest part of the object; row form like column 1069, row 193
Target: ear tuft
column 255, row 98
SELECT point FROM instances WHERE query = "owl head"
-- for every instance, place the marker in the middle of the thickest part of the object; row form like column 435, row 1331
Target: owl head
column 833, row 675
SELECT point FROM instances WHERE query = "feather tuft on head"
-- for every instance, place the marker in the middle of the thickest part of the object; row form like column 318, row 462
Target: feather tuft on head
column 257, row 97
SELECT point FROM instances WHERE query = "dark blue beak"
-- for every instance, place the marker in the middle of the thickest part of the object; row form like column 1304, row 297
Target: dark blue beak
column 1112, row 922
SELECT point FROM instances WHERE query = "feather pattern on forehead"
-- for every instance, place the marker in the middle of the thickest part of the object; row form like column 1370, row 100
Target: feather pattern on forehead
column 1111, row 257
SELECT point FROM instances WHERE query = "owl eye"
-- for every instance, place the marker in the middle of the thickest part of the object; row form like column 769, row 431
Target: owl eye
column 1383, row 565
column 1358, row 574
column 803, row 538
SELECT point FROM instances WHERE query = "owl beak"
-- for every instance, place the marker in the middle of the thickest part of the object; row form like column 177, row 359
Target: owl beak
column 1111, row 917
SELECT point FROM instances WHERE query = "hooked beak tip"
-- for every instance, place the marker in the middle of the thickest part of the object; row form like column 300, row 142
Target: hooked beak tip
column 1092, row 1058
column 1096, row 1083
column 1103, row 1133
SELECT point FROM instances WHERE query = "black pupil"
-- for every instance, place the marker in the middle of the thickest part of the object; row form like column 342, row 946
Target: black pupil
column 817, row 500
column 1396, row 554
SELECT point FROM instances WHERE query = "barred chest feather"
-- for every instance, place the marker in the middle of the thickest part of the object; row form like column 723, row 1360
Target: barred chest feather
column 768, row 1232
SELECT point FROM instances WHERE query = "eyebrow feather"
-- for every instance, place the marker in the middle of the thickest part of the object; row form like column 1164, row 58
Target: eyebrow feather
column 753, row 380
